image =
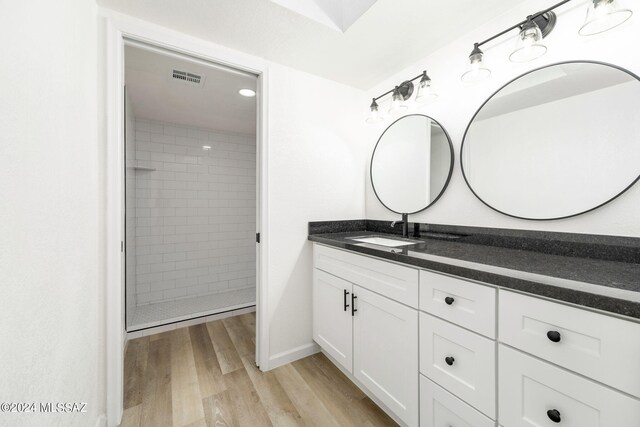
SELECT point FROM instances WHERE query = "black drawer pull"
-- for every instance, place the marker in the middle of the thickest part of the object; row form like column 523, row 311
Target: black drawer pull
column 449, row 300
column 449, row 360
column 346, row 305
column 353, row 304
column 554, row 415
column 554, row 336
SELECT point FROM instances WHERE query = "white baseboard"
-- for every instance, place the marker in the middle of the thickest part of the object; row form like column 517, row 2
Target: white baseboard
column 291, row 355
column 101, row 421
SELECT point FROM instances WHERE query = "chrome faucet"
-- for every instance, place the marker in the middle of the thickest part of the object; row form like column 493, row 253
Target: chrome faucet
column 405, row 225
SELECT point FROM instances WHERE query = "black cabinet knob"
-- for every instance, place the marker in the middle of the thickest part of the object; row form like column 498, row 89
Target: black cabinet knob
column 449, row 360
column 554, row 336
column 554, row 415
column 344, row 301
column 449, row 300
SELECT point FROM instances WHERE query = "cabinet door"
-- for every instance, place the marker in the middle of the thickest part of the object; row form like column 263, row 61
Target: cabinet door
column 385, row 352
column 332, row 321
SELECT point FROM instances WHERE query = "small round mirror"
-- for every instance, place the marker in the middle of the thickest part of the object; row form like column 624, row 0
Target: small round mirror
column 411, row 164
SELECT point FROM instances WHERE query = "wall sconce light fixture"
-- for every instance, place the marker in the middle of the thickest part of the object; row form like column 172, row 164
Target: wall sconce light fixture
column 374, row 115
column 401, row 94
column 476, row 68
column 425, row 90
column 602, row 15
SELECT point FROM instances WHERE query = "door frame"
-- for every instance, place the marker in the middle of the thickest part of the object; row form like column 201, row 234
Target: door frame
column 115, row 30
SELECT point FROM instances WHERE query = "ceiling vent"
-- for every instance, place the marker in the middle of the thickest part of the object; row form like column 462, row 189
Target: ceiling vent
column 187, row 78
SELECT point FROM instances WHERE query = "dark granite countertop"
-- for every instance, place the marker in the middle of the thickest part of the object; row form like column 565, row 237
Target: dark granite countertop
column 602, row 284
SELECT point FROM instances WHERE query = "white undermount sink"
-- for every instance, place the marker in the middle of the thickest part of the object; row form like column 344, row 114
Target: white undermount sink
column 383, row 241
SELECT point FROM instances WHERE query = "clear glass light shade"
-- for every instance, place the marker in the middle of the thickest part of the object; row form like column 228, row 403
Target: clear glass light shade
column 397, row 103
column 529, row 45
column 425, row 92
column 476, row 68
column 604, row 15
column 374, row 115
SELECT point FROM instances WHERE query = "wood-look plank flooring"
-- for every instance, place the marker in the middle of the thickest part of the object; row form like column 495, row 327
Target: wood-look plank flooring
column 205, row 375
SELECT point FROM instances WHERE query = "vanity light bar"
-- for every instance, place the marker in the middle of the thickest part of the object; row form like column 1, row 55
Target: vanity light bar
column 402, row 93
column 602, row 15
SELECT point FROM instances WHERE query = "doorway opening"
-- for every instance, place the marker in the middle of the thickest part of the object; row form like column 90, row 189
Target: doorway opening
column 190, row 188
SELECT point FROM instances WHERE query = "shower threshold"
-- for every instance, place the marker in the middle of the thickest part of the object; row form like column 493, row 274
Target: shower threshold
column 163, row 313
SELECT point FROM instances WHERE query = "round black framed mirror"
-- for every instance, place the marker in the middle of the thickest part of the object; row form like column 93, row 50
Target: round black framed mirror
column 555, row 142
column 411, row 164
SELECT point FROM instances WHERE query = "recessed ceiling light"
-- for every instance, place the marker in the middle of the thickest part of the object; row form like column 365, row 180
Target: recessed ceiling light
column 206, row 147
column 247, row 92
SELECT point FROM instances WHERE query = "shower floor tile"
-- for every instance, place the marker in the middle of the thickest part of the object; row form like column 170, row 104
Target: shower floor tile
column 149, row 315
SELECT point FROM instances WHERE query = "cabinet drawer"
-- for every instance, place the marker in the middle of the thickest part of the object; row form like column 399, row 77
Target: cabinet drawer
column 601, row 347
column 460, row 361
column 439, row 408
column 531, row 389
column 464, row 303
column 391, row 280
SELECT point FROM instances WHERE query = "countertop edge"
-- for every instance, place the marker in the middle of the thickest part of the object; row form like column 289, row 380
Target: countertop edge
column 599, row 301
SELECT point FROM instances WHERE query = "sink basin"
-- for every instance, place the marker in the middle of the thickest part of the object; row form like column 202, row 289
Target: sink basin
column 384, row 241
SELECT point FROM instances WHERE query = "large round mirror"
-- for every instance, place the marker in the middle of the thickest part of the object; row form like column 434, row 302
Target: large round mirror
column 556, row 142
column 411, row 164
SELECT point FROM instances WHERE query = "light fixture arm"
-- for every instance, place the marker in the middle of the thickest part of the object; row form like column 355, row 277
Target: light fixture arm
column 521, row 23
column 403, row 83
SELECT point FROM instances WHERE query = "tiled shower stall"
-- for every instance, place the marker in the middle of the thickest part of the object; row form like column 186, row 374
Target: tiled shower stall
column 191, row 222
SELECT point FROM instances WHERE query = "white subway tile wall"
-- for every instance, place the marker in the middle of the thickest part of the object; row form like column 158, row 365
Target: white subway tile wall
column 195, row 213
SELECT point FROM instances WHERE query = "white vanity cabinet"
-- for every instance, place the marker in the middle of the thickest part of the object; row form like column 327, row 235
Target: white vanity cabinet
column 475, row 354
column 365, row 317
column 547, row 364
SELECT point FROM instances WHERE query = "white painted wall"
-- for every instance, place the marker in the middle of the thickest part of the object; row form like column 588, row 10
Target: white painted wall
column 456, row 105
column 52, row 291
column 315, row 173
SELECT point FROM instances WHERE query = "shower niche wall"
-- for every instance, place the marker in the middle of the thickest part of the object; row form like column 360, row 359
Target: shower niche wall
column 190, row 181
